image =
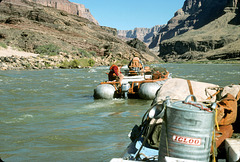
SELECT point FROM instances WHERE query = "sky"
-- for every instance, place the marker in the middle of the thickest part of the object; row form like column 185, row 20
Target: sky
column 129, row 14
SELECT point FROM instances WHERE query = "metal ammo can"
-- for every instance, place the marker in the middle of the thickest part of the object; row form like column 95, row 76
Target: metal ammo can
column 186, row 131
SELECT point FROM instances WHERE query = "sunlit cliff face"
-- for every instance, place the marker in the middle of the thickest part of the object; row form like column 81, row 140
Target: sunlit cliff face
column 65, row 5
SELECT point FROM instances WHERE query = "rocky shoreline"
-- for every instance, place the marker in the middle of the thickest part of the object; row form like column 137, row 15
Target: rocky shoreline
column 39, row 62
column 34, row 62
column 21, row 63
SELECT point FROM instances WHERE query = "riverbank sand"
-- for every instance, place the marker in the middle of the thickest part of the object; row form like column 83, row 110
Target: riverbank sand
column 7, row 52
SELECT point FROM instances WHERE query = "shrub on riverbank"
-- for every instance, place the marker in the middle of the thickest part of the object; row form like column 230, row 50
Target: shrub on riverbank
column 77, row 63
column 3, row 45
column 49, row 49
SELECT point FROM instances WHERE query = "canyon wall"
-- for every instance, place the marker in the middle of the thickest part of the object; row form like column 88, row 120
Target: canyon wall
column 193, row 15
column 218, row 39
column 143, row 34
column 36, row 28
column 65, row 5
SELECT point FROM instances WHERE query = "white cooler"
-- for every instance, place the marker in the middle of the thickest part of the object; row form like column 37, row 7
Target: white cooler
column 232, row 146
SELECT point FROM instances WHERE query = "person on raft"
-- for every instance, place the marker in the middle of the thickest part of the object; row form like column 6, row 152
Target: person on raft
column 115, row 73
column 135, row 65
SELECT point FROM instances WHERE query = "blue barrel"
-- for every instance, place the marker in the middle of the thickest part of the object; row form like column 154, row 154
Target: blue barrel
column 187, row 131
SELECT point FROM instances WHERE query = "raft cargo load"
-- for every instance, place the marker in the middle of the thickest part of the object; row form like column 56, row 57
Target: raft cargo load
column 187, row 130
column 135, row 84
column 163, row 128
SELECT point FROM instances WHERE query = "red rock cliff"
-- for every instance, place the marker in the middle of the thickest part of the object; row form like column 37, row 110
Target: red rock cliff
column 65, row 5
column 73, row 8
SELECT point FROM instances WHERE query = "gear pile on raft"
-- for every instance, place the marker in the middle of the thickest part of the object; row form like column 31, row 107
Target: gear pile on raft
column 137, row 81
column 188, row 121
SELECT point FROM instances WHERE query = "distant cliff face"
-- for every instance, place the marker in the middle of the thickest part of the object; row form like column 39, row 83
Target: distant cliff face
column 143, row 34
column 215, row 36
column 73, row 8
column 193, row 15
column 65, row 5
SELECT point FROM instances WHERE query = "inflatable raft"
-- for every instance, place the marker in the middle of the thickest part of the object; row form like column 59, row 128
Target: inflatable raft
column 142, row 85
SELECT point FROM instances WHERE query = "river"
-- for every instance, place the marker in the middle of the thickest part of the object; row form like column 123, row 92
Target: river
column 51, row 115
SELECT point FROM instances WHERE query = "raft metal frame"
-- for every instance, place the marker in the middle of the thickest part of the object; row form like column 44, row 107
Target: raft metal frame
column 118, row 85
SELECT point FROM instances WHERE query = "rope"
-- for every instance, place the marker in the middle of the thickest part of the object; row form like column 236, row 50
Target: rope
column 216, row 122
column 214, row 146
column 214, row 136
column 199, row 106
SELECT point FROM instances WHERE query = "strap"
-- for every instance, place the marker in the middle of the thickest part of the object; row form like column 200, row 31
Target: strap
column 166, row 130
column 211, row 96
column 151, row 126
column 216, row 121
column 238, row 95
column 190, row 87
